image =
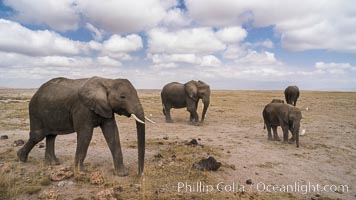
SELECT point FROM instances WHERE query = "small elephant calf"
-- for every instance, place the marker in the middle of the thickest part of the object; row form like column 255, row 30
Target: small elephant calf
column 284, row 115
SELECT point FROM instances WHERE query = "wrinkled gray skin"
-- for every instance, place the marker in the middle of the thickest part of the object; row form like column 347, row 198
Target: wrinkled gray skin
column 277, row 101
column 284, row 115
column 177, row 95
column 291, row 93
column 63, row 106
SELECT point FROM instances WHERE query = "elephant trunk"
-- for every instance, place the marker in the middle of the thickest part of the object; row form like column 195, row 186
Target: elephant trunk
column 206, row 105
column 140, row 139
column 296, row 133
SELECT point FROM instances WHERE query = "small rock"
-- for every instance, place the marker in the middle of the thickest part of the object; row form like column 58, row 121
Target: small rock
column 107, row 194
column 228, row 151
column 199, row 139
column 4, row 137
column 19, row 143
column 160, row 143
column 61, row 184
column 41, row 145
column 256, row 173
column 233, row 167
column 193, row 142
column 314, row 198
column 249, row 182
column 49, row 195
column 165, row 137
column 97, row 178
column 207, row 164
column 158, row 156
column 317, row 195
column 61, row 174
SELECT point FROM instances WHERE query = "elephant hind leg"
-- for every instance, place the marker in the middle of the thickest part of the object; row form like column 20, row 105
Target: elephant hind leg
column 35, row 137
column 269, row 132
column 275, row 134
column 167, row 113
column 50, row 156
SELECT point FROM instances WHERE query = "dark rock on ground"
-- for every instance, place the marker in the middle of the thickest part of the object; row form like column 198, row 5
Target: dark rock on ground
column 4, row 137
column 19, row 143
column 158, row 156
column 207, row 164
column 249, row 182
column 193, row 142
column 41, row 145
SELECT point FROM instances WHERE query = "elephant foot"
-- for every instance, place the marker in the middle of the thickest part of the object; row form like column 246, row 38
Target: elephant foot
column 269, row 138
column 21, row 155
column 123, row 171
column 277, row 139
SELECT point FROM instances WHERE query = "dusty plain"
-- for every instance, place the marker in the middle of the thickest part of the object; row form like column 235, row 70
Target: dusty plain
column 233, row 133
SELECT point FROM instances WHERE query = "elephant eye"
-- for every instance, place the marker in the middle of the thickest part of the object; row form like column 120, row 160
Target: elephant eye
column 122, row 97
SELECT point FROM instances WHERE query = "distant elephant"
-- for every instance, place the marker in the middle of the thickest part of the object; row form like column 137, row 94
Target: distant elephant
column 284, row 115
column 178, row 95
column 291, row 93
column 277, row 101
column 63, row 106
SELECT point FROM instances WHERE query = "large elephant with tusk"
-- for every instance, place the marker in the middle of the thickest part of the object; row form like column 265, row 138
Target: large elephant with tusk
column 63, row 106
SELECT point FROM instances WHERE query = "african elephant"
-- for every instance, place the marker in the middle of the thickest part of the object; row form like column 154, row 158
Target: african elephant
column 277, row 101
column 178, row 95
column 284, row 115
column 63, row 106
column 291, row 93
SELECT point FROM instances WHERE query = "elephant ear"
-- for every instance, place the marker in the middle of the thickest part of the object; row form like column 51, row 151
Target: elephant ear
column 93, row 94
column 191, row 89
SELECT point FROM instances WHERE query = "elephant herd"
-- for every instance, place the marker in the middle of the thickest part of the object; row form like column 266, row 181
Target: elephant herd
column 63, row 106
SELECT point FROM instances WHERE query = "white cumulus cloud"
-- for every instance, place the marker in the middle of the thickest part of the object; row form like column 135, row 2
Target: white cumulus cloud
column 194, row 40
column 16, row 38
column 59, row 15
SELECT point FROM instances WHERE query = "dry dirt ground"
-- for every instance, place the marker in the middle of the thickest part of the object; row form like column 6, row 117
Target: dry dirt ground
column 233, row 133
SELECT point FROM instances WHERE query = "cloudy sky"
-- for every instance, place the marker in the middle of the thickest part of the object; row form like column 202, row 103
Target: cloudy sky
column 230, row 44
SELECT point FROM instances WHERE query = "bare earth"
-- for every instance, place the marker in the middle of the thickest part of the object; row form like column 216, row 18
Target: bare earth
column 233, row 133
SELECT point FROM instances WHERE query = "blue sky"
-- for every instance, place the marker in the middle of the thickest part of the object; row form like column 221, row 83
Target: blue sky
column 230, row 44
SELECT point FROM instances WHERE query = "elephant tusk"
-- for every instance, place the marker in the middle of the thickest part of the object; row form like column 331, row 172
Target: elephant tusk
column 148, row 119
column 137, row 119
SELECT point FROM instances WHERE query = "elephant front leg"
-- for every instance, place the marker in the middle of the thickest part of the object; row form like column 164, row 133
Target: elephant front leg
column 50, row 156
column 83, row 140
column 194, row 118
column 111, row 134
column 285, row 133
